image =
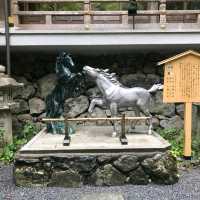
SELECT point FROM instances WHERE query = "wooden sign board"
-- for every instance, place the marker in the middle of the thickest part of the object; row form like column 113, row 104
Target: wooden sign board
column 182, row 78
column 182, row 84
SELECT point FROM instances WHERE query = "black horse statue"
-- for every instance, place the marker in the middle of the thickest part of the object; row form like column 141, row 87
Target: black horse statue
column 70, row 84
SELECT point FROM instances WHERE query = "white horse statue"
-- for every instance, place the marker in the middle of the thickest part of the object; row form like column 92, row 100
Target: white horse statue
column 115, row 95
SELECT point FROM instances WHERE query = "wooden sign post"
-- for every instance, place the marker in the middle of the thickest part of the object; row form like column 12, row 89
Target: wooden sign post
column 182, row 85
column 188, row 130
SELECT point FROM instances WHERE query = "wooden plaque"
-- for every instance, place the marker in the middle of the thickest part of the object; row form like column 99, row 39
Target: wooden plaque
column 182, row 79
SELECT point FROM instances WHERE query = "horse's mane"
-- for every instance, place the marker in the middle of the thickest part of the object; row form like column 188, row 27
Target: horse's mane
column 111, row 76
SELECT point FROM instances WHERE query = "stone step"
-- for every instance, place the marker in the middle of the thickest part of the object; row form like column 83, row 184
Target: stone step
column 103, row 196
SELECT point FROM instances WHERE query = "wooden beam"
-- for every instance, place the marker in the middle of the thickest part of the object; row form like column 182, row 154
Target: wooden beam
column 94, row 119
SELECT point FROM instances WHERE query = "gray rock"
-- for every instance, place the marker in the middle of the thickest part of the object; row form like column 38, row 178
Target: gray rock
column 126, row 163
column 16, row 125
column 75, row 106
column 46, row 85
column 152, row 78
column 84, row 163
column 196, row 119
column 68, row 178
column 162, row 168
column 138, row 177
column 20, row 107
column 131, row 80
column 29, row 176
column 26, row 92
column 160, row 117
column 24, row 118
column 93, row 92
column 155, row 122
column 149, row 68
column 106, row 158
column 158, row 107
column 61, row 165
column 37, row 106
column 180, row 110
column 174, row 122
column 108, row 175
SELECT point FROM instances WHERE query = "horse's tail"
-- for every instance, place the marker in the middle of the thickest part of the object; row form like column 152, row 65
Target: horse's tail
column 155, row 87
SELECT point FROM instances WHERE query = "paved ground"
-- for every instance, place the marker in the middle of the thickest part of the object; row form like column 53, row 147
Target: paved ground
column 188, row 188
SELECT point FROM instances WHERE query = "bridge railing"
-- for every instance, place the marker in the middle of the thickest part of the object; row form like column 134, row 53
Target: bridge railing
column 90, row 14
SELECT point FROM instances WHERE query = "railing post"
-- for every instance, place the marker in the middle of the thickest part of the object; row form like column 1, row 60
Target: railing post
column 123, row 138
column 48, row 20
column 152, row 5
column 162, row 9
column 198, row 20
column 87, row 14
column 67, row 139
column 125, row 19
column 14, row 10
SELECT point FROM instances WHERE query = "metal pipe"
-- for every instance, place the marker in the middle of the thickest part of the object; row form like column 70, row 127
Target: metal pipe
column 7, row 37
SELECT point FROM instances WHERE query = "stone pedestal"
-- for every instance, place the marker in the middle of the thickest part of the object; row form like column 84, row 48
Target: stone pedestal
column 94, row 158
column 110, row 169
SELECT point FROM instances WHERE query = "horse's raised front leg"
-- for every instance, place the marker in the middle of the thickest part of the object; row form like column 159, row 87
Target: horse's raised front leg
column 96, row 101
column 113, row 110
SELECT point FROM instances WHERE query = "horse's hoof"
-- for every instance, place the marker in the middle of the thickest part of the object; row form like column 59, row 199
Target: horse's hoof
column 114, row 134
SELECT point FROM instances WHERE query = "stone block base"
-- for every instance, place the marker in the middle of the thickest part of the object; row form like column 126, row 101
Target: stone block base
column 110, row 169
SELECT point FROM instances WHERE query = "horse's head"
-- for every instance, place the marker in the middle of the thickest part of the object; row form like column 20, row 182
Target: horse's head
column 91, row 72
column 158, row 86
column 65, row 59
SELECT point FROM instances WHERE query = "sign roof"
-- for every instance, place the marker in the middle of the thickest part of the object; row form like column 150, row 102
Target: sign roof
column 179, row 56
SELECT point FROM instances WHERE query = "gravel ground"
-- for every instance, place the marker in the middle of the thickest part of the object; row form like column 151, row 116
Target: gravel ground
column 187, row 188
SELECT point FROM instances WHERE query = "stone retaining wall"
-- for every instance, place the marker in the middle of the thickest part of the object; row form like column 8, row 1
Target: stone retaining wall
column 96, row 169
column 37, row 73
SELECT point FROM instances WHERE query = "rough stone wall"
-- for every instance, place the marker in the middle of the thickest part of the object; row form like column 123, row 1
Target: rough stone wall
column 98, row 170
column 37, row 73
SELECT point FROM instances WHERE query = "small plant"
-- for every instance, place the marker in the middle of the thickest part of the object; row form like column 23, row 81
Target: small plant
column 176, row 139
column 9, row 150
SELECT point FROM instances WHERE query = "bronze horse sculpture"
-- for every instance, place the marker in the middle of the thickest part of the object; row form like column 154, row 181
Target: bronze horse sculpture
column 70, row 84
column 115, row 95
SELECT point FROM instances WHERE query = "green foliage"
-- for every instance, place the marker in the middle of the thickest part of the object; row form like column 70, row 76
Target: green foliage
column 176, row 139
column 8, row 153
column 196, row 146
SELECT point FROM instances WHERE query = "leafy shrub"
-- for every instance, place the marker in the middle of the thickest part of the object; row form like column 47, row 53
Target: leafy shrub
column 176, row 139
column 8, row 153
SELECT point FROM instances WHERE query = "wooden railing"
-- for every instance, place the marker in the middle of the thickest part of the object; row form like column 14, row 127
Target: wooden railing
column 89, row 18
